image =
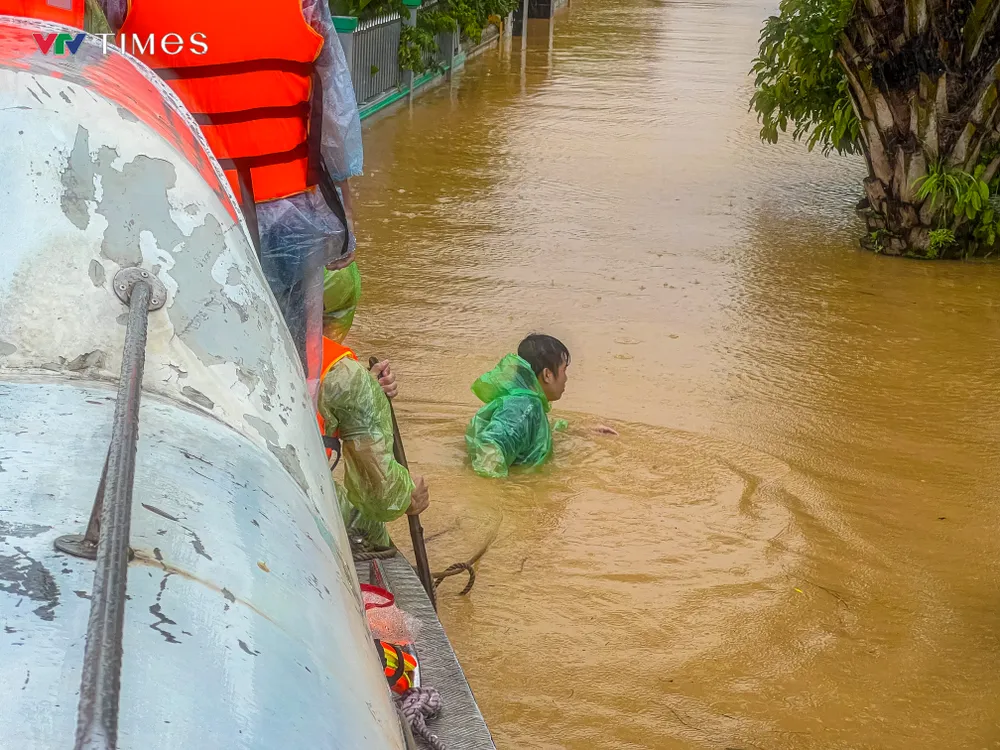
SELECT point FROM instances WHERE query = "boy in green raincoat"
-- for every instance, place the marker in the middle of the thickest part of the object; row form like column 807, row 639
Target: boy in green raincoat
column 513, row 427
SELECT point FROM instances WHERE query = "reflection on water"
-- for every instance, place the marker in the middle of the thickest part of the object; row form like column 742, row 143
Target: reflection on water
column 792, row 542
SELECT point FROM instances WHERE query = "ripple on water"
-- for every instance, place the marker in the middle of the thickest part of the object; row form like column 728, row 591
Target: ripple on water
column 608, row 561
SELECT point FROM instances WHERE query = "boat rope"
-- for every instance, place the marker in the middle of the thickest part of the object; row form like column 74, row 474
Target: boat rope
column 362, row 555
column 467, row 566
column 417, row 706
column 454, row 570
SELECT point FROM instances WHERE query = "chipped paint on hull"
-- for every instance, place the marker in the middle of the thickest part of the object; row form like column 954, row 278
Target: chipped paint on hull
column 233, row 493
column 237, row 657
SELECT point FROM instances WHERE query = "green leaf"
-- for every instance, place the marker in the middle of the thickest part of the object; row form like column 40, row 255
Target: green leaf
column 799, row 82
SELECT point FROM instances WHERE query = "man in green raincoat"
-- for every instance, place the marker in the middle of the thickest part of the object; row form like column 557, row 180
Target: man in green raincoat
column 354, row 407
column 513, row 427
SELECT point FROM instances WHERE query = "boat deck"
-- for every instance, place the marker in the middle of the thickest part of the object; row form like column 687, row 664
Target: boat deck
column 460, row 725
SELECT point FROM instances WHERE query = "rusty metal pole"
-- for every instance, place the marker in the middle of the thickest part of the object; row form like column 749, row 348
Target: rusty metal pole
column 416, row 529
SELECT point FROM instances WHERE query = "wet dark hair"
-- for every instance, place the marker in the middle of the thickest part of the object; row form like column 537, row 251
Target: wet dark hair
column 541, row 351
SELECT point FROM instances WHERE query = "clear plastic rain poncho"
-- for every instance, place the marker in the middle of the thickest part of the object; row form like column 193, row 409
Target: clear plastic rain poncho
column 301, row 234
column 512, row 427
column 293, row 260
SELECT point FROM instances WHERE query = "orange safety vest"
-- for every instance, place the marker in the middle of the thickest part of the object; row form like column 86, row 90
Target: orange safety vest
column 68, row 12
column 251, row 92
column 332, row 354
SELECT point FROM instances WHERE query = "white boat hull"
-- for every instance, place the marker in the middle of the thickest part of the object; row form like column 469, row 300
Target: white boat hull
column 244, row 627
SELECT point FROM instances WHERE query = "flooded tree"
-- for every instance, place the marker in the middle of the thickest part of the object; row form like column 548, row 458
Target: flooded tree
column 913, row 86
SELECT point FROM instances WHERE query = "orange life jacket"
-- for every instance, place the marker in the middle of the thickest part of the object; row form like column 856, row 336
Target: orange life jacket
column 68, row 12
column 332, row 354
column 251, row 91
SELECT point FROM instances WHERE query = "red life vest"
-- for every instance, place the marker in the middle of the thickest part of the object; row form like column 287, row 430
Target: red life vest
column 68, row 12
column 250, row 91
column 332, row 354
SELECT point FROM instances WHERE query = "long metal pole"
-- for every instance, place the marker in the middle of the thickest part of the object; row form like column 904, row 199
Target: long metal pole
column 416, row 529
column 100, row 685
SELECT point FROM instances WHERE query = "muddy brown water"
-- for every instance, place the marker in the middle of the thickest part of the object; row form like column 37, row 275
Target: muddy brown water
column 793, row 541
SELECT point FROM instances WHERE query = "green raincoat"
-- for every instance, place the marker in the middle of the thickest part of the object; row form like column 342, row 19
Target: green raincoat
column 341, row 294
column 376, row 488
column 512, row 427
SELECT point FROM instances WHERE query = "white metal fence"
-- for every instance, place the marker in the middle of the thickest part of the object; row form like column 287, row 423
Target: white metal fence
column 372, row 49
column 375, row 68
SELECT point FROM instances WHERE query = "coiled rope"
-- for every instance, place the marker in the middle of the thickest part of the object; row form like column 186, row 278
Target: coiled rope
column 363, row 553
column 417, row 706
column 454, row 570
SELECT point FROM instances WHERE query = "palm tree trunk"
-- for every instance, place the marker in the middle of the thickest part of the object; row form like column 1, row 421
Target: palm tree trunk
column 914, row 113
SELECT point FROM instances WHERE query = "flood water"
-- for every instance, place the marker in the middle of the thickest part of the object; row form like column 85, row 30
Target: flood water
column 793, row 541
